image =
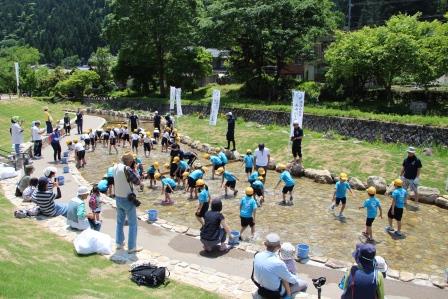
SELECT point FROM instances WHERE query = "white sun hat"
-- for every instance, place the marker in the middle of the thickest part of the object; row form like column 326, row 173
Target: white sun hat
column 287, row 251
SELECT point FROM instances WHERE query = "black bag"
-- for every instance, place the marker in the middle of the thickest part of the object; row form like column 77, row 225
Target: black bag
column 149, row 275
column 263, row 292
column 18, row 192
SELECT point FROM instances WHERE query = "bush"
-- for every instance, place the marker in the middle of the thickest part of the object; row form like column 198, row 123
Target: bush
column 311, row 89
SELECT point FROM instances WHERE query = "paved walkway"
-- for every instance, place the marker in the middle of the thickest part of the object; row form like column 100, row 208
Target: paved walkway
column 184, row 252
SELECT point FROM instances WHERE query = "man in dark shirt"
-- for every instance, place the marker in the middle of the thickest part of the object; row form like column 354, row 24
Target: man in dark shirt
column 230, row 136
column 410, row 172
column 157, row 120
column 296, row 138
column 133, row 121
column 79, row 121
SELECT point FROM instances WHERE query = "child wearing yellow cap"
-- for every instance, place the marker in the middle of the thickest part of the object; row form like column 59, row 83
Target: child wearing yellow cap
column 230, row 180
column 248, row 161
column 248, row 207
column 372, row 204
column 399, row 197
column 340, row 193
column 150, row 173
column 203, row 200
column 286, row 178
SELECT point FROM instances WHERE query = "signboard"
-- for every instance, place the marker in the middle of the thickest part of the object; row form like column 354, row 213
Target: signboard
column 178, row 101
column 172, row 97
column 16, row 66
column 215, row 107
column 298, row 103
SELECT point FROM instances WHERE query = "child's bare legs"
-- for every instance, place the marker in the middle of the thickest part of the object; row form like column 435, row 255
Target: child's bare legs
column 285, row 284
column 342, row 208
column 201, row 220
column 399, row 226
column 252, row 231
column 369, row 232
column 225, row 191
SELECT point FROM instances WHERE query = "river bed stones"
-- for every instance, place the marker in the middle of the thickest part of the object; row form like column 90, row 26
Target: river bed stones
column 426, row 194
column 322, row 176
column 356, row 184
column 378, row 182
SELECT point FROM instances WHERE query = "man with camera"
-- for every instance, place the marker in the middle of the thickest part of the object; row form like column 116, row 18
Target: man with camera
column 125, row 177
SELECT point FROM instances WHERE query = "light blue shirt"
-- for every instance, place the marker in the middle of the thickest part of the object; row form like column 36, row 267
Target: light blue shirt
column 399, row 195
column 258, row 185
column 247, row 206
column 197, row 174
column 102, row 185
column 249, row 161
column 286, row 177
column 341, row 189
column 253, row 176
column 215, row 160
column 223, row 158
column 269, row 270
column 170, row 182
column 110, row 172
column 183, row 165
column 151, row 169
column 228, row 176
column 372, row 205
column 203, row 196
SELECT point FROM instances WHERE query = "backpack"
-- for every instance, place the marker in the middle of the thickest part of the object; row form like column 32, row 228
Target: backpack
column 149, row 275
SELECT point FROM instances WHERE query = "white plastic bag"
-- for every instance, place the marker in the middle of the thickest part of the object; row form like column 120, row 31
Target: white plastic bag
column 7, row 172
column 91, row 241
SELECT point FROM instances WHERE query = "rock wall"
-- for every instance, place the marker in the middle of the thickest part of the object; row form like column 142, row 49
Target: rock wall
column 369, row 130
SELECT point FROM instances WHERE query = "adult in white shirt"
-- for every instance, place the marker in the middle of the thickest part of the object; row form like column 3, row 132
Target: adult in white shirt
column 16, row 132
column 76, row 210
column 262, row 157
column 36, row 137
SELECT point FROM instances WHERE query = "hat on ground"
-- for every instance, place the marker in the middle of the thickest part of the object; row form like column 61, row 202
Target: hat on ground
column 381, row 264
column 272, row 239
column 287, row 251
column 281, row 166
column 411, row 150
column 83, row 190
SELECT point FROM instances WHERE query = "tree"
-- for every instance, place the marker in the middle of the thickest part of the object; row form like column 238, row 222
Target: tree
column 102, row 61
column 157, row 27
column 78, row 83
column 187, row 67
column 71, row 61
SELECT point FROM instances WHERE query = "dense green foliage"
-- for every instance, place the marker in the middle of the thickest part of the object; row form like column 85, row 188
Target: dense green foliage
column 405, row 47
column 59, row 29
column 78, row 84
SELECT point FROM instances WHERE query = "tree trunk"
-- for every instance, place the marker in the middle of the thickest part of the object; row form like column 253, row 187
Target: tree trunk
column 160, row 55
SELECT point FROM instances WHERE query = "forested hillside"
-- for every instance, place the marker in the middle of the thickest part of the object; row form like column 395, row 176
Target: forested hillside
column 58, row 28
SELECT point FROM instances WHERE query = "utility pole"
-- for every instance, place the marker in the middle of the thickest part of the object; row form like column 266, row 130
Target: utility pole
column 349, row 14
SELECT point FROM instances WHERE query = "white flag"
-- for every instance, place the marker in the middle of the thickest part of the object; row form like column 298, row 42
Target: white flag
column 178, row 101
column 172, row 97
column 298, row 103
column 16, row 66
column 215, row 107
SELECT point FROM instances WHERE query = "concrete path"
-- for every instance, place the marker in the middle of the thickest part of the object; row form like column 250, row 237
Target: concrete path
column 236, row 262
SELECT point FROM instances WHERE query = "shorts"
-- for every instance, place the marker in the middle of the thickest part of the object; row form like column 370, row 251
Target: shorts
column 135, row 143
column 408, row 183
column 168, row 190
column 216, row 166
column 258, row 192
column 191, row 182
column 81, row 154
column 398, row 213
column 173, row 169
column 110, row 181
column 120, row 135
column 92, row 140
column 287, row 189
column 203, row 210
column 147, row 146
column 112, row 141
column 297, row 149
column 341, row 199
column 369, row 221
column 248, row 169
column 126, row 137
column 247, row 221
column 106, row 137
column 231, row 184
column 87, row 141
column 156, row 135
column 97, row 211
column 151, row 176
column 164, row 141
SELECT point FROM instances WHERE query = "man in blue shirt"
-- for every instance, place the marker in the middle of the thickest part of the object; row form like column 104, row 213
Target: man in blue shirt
column 399, row 196
column 340, row 193
column 371, row 204
column 289, row 182
column 270, row 272
column 248, row 207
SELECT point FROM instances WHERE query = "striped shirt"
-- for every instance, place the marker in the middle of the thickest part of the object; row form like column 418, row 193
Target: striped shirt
column 45, row 201
column 50, row 184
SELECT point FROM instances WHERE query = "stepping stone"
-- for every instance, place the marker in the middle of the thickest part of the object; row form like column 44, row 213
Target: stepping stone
column 180, row 229
column 336, row 264
column 319, row 259
column 422, row 276
column 193, row 232
column 393, row 273
column 406, row 276
column 439, row 282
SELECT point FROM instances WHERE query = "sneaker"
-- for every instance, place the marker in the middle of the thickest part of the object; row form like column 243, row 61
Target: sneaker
column 399, row 233
column 119, row 247
column 291, row 203
column 341, row 215
column 235, row 193
column 389, row 229
column 331, row 207
column 134, row 250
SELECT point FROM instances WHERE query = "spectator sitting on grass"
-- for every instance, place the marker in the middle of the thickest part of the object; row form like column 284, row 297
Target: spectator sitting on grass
column 44, row 198
column 77, row 216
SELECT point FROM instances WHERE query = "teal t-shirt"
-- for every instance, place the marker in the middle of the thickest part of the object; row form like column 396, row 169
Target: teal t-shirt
column 399, row 195
column 151, row 170
column 371, row 204
column 341, row 189
column 286, row 177
column 215, row 160
column 228, row 176
column 110, row 172
column 223, row 157
column 248, row 206
column 203, row 196
column 170, row 182
column 249, row 161
column 253, row 176
column 183, row 165
column 197, row 174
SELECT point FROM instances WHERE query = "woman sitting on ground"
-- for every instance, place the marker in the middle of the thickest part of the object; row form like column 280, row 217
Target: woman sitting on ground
column 215, row 228
column 25, row 180
column 45, row 199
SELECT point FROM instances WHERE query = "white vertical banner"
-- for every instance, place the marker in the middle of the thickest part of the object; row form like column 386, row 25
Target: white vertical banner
column 298, row 103
column 215, row 107
column 172, row 97
column 16, row 66
column 178, row 101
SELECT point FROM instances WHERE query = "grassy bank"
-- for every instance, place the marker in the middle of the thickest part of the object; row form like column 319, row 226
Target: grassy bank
column 28, row 109
column 36, row 264
column 231, row 99
column 357, row 158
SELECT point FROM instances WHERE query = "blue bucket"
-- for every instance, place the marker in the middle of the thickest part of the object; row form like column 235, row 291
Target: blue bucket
column 302, row 251
column 66, row 169
column 152, row 215
column 235, row 237
column 64, row 160
column 65, row 154
column 61, row 180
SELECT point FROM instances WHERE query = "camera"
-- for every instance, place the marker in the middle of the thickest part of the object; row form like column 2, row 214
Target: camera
column 319, row 282
column 133, row 198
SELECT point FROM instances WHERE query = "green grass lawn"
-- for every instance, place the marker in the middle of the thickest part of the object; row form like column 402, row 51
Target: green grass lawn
column 37, row 264
column 357, row 158
column 28, row 109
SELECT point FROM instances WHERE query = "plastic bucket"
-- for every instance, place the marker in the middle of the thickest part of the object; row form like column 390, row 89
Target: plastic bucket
column 152, row 215
column 66, row 169
column 65, row 154
column 235, row 237
column 64, row 160
column 302, row 251
column 61, row 180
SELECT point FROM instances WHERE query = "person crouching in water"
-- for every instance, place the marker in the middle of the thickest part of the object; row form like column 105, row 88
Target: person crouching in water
column 203, row 200
column 168, row 186
column 80, row 154
column 216, row 162
column 289, row 182
column 152, row 170
column 258, row 187
column 192, row 178
column 230, row 180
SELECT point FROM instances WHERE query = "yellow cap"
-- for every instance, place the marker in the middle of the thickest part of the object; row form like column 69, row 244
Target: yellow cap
column 217, row 149
column 398, row 183
column 200, row 182
column 175, row 130
column 155, row 164
column 260, row 178
column 166, row 165
column 248, row 151
column 343, row 176
column 176, row 159
column 204, row 169
column 281, row 166
column 249, row 191
column 167, row 129
column 206, row 156
column 75, row 141
column 371, row 190
column 220, row 170
column 157, row 176
column 185, row 174
column 261, row 171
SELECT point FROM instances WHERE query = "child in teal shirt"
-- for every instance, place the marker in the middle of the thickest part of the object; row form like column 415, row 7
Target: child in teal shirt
column 230, row 180
column 248, row 161
column 340, row 193
column 289, row 182
column 372, row 204
column 399, row 196
column 248, row 207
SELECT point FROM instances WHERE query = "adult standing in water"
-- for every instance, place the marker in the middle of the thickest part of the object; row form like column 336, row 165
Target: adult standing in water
column 262, row 158
column 410, row 172
column 133, row 121
column 296, row 138
column 230, row 136
column 157, row 120
column 48, row 120
column 79, row 120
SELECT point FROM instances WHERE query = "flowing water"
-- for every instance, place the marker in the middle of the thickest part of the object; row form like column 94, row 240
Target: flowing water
column 309, row 221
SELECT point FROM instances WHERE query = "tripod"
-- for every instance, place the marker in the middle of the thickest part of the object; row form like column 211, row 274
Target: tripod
column 318, row 283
